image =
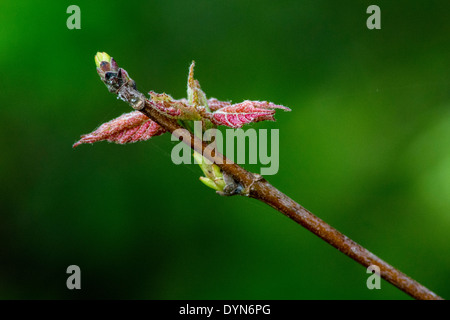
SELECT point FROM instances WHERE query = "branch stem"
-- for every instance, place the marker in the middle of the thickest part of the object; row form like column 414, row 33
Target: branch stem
column 259, row 188
column 250, row 184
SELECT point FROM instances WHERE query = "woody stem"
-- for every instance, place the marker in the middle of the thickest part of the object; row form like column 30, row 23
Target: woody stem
column 257, row 187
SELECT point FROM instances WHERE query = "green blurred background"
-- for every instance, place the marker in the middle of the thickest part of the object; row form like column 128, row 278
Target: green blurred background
column 366, row 148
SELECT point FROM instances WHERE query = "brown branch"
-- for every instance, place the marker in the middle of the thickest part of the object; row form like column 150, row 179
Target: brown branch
column 257, row 187
column 261, row 189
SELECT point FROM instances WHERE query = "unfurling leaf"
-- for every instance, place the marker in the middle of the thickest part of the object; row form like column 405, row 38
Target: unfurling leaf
column 128, row 128
column 177, row 109
column 215, row 104
column 196, row 96
column 237, row 115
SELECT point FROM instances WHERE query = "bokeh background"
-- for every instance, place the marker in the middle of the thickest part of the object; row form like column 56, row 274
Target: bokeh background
column 366, row 148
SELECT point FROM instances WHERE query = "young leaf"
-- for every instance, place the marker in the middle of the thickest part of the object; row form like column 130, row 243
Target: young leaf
column 128, row 128
column 178, row 109
column 237, row 115
column 215, row 104
column 196, row 96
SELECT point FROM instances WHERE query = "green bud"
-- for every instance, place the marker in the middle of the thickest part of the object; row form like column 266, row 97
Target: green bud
column 210, row 183
column 214, row 176
column 100, row 57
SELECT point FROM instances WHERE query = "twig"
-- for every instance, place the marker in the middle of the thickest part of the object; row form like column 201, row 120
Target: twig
column 255, row 186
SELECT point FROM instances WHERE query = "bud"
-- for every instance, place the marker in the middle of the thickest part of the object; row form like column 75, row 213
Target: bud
column 214, row 176
column 102, row 57
column 113, row 76
column 209, row 183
